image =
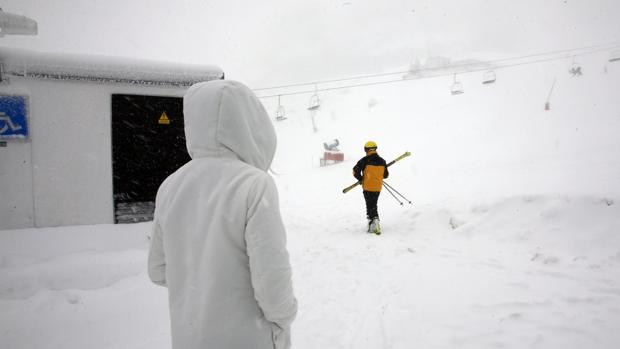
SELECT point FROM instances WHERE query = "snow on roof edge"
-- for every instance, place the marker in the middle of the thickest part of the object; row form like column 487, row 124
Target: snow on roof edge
column 47, row 65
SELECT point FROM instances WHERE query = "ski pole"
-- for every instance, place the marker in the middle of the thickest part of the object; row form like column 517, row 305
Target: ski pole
column 405, row 154
column 394, row 196
column 396, row 191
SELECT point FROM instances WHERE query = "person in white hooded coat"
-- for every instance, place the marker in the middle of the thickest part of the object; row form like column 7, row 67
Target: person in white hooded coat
column 218, row 240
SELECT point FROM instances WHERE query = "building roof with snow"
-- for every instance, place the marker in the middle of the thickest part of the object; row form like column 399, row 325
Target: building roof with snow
column 104, row 69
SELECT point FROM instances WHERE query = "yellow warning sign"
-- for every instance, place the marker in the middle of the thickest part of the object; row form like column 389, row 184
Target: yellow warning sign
column 163, row 119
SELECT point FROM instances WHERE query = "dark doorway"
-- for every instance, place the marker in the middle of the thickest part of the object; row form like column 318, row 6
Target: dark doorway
column 148, row 144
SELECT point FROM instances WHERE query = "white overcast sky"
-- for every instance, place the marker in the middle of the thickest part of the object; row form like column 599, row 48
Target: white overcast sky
column 270, row 42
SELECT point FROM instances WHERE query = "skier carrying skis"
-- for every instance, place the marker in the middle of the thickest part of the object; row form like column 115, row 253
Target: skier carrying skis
column 370, row 171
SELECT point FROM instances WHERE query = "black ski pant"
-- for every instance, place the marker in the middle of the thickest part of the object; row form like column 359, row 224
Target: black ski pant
column 371, row 198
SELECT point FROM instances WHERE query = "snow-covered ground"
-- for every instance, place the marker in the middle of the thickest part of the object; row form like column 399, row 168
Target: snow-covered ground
column 527, row 271
column 513, row 240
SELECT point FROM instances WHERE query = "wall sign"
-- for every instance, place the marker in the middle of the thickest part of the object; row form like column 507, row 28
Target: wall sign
column 163, row 119
column 13, row 117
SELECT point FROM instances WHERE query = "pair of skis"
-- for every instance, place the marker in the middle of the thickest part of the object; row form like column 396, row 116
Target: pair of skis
column 347, row 189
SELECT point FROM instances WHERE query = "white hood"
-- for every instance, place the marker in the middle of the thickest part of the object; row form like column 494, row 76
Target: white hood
column 219, row 243
column 224, row 117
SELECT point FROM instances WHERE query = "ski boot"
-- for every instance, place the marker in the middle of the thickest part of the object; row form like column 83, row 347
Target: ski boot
column 374, row 226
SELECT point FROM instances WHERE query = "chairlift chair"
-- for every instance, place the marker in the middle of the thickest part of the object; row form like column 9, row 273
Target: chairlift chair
column 457, row 87
column 488, row 77
column 575, row 69
column 314, row 102
column 280, row 112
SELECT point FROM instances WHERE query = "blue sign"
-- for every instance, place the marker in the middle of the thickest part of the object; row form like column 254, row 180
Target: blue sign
column 13, row 117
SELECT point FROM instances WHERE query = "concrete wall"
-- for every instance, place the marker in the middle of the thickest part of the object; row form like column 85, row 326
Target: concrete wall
column 62, row 175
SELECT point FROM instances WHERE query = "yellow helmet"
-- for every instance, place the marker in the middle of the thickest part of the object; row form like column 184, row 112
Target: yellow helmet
column 370, row 145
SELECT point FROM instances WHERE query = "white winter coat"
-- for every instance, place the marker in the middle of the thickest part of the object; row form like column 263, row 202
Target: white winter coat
column 218, row 242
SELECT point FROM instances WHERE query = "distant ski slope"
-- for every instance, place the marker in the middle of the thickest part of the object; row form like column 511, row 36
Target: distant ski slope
column 491, row 140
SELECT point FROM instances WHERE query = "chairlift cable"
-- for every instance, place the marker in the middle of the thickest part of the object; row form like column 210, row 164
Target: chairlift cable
column 603, row 47
column 499, row 67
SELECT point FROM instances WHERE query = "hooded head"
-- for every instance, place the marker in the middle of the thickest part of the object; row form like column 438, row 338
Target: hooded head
column 224, row 118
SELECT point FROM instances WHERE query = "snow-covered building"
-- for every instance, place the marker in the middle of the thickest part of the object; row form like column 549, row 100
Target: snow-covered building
column 88, row 139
